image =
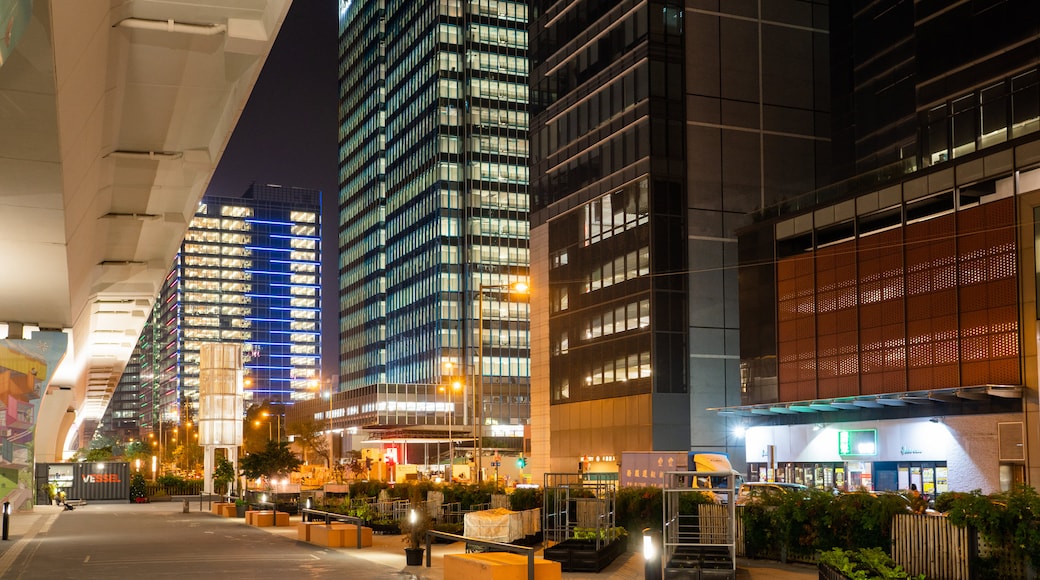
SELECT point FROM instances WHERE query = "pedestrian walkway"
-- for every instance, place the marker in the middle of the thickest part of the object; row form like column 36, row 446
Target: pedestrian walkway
column 26, row 527
column 389, row 550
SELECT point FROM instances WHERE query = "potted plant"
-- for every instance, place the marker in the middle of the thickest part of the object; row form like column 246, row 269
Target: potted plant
column 414, row 526
column 241, row 506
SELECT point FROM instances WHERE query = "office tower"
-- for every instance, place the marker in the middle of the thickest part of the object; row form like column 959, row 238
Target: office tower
column 657, row 128
column 433, row 207
column 248, row 271
column 121, row 420
column 888, row 320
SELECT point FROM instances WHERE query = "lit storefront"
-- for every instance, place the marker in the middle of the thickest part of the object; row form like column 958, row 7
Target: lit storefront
column 936, row 454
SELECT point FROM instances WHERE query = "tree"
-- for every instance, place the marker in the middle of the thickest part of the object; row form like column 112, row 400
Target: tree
column 309, row 437
column 276, row 460
column 223, row 474
column 136, row 450
column 102, row 454
column 355, row 463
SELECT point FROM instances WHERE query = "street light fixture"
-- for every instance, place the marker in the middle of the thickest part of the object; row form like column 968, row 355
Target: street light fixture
column 517, row 288
column 456, row 386
column 278, row 417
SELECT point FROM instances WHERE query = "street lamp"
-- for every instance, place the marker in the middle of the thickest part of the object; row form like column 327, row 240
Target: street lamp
column 456, row 385
column 278, row 417
column 519, row 288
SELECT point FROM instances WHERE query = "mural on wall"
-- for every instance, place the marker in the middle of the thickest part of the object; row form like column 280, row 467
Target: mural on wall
column 26, row 367
column 14, row 18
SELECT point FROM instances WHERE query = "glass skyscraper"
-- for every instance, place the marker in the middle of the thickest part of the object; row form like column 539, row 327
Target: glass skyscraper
column 657, row 127
column 433, row 202
column 249, row 272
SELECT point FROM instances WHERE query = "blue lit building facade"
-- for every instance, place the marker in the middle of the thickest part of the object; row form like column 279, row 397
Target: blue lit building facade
column 433, row 230
column 249, row 271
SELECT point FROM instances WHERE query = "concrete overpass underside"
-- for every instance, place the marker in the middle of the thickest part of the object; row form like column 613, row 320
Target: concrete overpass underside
column 113, row 116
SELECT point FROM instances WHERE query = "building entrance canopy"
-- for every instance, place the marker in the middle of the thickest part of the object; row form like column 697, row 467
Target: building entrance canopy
column 933, row 397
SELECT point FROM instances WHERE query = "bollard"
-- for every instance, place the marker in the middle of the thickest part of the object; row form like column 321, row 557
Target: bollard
column 7, row 517
column 651, row 555
column 185, row 505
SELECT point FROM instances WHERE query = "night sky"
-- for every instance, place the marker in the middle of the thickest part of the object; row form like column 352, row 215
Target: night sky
column 287, row 135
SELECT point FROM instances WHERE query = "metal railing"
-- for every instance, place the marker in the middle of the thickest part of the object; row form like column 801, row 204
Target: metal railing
column 311, row 515
column 499, row 546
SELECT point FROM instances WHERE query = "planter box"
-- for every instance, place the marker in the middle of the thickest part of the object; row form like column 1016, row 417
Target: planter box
column 830, row 573
column 582, row 555
column 497, row 566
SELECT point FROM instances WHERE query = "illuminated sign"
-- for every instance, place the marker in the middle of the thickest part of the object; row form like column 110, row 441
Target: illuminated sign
column 859, row 442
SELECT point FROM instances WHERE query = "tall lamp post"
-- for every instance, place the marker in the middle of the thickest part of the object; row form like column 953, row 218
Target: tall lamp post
column 277, row 417
column 456, row 385
column 519, row 288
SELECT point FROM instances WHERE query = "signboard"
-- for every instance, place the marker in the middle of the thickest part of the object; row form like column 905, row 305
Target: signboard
column 857, row 442
column 647, row 468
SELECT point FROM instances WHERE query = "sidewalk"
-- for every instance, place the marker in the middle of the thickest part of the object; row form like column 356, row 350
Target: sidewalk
column 386, row 551
column 389, row 551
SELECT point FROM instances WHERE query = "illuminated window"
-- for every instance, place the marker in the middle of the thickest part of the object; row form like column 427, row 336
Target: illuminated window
column 303, row 314
column 301, row 279
column 302, row 349
column 300, row 267
column 300, row 337
column 303, row 256
column 302, row 244
column 302, row 291
column 302, row 302
column 298, row 325
column 235, row 225
column 303, row 230
column 205, row 223
column 237, row 239
column 235, row 211
column 303, row 216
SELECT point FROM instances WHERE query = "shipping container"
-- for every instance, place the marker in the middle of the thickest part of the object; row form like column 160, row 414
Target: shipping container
column 100, row 481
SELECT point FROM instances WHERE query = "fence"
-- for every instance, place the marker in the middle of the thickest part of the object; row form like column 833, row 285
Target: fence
column 155, row 490
column 933, row 546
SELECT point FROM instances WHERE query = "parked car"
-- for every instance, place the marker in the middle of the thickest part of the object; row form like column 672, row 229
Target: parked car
column 752, row 491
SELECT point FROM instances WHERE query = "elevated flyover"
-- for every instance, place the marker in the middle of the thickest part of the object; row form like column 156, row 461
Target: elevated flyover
column 113, row 116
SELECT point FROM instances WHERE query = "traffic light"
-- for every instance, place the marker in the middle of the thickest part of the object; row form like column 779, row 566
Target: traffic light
column 521, row 462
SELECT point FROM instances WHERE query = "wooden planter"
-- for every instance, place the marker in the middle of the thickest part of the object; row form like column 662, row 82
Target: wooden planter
column 582, row 555
column 830, row 573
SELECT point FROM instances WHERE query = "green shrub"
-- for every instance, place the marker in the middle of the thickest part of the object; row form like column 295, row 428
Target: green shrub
column 944, row 501
column 367, row 488
column 525, row 499
column 1009, row 520
column 865, row 564
column 638, row 508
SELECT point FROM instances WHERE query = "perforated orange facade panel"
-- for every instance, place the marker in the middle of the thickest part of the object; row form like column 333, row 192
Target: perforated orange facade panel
column 930, row 305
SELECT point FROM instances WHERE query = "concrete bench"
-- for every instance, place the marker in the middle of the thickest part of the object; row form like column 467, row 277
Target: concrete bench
column 268, row 518
column 338, row 535
column 498, row 566
column 303, row 530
